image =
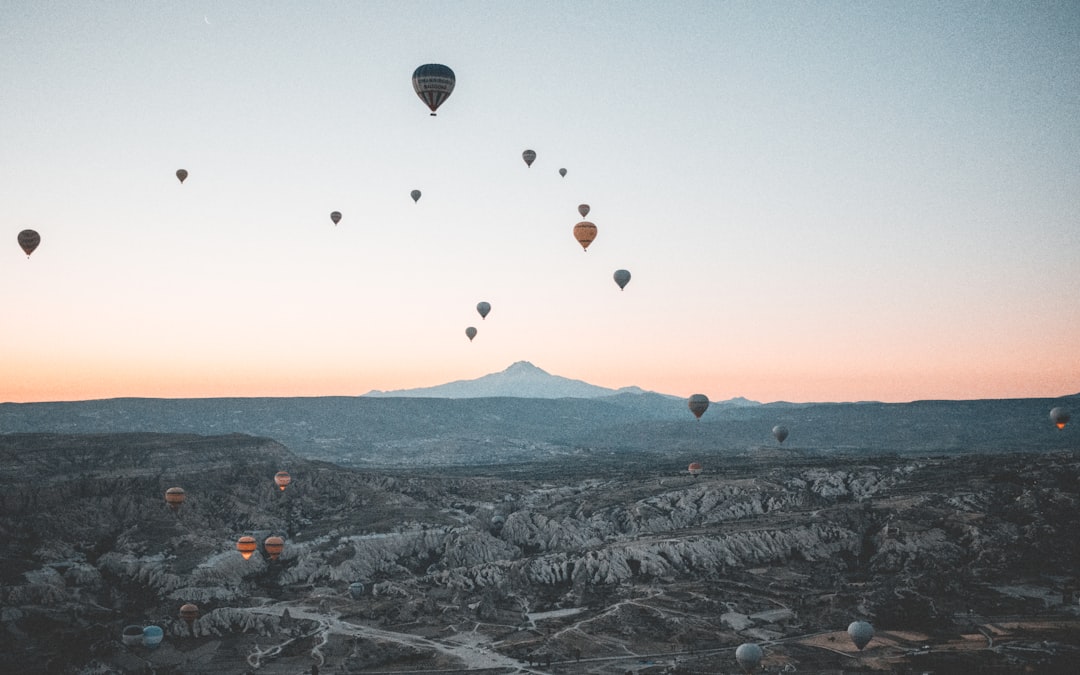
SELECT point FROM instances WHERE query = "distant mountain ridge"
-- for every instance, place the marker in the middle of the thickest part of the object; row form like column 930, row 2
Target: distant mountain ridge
column 520, row 380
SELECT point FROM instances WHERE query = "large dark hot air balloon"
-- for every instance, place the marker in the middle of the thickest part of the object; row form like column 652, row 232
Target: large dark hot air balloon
column 529, row 156
column 1060, row 417
column 181, row 174
column 174, row 497
column 246, row 545
column 415, row 194
column 698, row 404
column 694, row 468
column 483, row 308
column 585, row 233
column 861, row 633
column 583, row 209
column 335, row 216
column 28, row 241
column 622, row 277
column 433, row 83
column 780, row 432
column 470, row 332
column 562, row 172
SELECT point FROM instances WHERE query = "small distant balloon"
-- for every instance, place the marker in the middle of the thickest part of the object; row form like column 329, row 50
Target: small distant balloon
column 433, row 83
column 246, row 545
column 780, row 432
column 28, row 241
column 1060, row 417
column 152, row 636
column 274, row 545
column 583, row 209
column 131, row 635
column 529, row 156
column 356, row 590
column 694, row 468
column 562, row 172
column 182, row 175
column 282, row 479
column 585, row 233
column 749, row 656
column 174, row 497
column 189, row 612
column 483, row 308
column 698, row 404
column 335, row 216
column 861, row 633
column 470, row 333
column 415, row 194
column 622, row 277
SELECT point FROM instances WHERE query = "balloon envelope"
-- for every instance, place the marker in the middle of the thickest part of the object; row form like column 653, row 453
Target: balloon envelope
column 181, row 174
column 780, row 432
column 132, row 635
column 1060, row 417
column 694, row 468
column 246, row 545
column 335, row 216
column 562, row 172
column 585, row 233
column 174, row 497
column 483, row 308
column 152, row 636
column 749, row 656
column 282, row 479
column 433, row 83
column 274, row 546
column 28, row 241
column 356, row 589
column 622, row 277
column 189, row 612
column 470, row 332
column 698, row 404
column 529, row 156
column 415, row 194
column 583, row 209
column 861, row 633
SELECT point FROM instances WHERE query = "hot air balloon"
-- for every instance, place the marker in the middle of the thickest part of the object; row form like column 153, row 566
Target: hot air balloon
column 622, row 277
column 182, row 175
column 131, row 635
column 415, row 194
column 698, row 404
column 1060, row 417
column 246, row 545
column 694, row 468
column 529, row 156
column 190, row 613
column 749, row 656
column 861, row 633
column 274, row 545
column 470, row 332
column 152, row 636
column 174, row 497
column 335, row 216
column 433, row 83
column 282, row 479
column 356, row 590
column 585, row 232
column 28, row 241
column 583, row 209
column 562, row 172
column 483, row 308
column 780, row 432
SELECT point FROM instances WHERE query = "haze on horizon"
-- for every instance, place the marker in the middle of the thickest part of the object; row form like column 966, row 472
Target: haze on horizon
column 824, row 201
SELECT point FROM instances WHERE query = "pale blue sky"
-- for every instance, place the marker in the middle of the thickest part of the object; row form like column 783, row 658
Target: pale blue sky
column 817, row 200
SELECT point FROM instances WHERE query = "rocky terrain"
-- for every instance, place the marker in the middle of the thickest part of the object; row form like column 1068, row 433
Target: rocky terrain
column 600, row 563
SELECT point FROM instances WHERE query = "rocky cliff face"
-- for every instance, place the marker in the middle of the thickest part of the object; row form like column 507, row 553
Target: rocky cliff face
column 92, row 546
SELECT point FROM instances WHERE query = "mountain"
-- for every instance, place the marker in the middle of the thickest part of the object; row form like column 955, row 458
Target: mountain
column 520, row 380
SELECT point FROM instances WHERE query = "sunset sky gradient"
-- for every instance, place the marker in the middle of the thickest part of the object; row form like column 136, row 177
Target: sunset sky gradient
column 818, row 201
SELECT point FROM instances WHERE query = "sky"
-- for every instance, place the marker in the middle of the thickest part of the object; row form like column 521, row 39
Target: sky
column 817, row 201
